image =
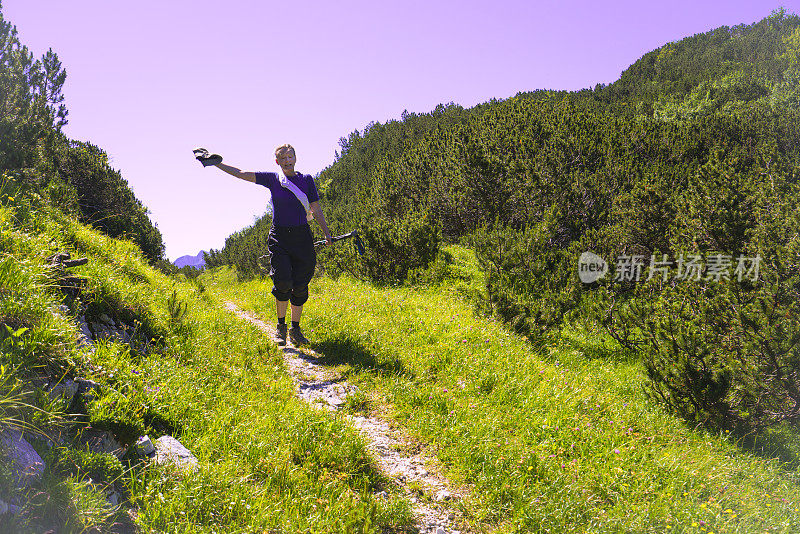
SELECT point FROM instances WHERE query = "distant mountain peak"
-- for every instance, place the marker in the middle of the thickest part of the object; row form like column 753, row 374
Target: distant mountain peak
column 198, row 261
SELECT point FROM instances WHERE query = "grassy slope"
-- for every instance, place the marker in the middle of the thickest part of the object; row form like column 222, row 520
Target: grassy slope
column 558, row 440
column 266, row 460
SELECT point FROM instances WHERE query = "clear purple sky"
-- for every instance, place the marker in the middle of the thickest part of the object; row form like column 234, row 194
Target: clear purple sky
column 148, row 81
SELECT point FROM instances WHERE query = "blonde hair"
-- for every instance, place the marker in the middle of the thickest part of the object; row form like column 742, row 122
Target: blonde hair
column 284, row 148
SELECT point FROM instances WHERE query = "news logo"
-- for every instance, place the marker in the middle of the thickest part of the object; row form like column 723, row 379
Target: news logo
column 591, row 267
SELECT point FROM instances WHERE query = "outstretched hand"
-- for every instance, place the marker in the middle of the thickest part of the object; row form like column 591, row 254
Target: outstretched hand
column 202, row 155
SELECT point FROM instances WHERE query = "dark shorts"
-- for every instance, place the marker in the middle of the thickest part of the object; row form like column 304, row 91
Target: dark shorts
column 292, row 261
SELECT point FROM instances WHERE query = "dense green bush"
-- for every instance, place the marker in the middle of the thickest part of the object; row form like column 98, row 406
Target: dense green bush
column 392, row 249
column 528, row 275
column 690, row 152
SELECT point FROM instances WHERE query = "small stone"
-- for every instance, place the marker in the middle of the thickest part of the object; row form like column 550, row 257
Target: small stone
column 6, row 508
column 85, row 336
column 145, row 447
column 98, row 330
column 113, row 498
column 101, row 441
column 66, row 389
column 87, row 388
column 443, row 495
column 26, row 464
column 441, row 530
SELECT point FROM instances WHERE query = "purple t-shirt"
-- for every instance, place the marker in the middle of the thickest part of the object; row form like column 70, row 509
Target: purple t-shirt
column 286, row 209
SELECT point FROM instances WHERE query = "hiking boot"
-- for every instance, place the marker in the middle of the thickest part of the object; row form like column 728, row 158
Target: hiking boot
column 279, row 337
column 297, row 337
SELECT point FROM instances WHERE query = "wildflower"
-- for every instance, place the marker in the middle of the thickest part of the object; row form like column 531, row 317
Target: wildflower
column 616, row 451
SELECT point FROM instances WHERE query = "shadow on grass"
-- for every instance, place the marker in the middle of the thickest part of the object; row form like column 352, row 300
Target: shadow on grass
column 594, row 346
column 781, row 443
column 346, row 350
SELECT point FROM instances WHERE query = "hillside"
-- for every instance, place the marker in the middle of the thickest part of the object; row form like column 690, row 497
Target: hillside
column 37, row 158
column 581, row 159
column 99, row 354
column 555, row 438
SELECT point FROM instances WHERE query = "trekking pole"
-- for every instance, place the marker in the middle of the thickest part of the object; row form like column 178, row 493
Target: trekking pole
column 354, row 234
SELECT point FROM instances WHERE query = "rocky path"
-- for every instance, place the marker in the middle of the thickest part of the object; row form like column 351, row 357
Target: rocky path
column 324, row 389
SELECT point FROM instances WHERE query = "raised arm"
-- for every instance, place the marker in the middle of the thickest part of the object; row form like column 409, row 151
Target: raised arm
column 238, row 173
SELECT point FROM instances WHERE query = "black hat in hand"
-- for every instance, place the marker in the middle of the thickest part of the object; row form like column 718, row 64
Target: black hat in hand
column 202, row 155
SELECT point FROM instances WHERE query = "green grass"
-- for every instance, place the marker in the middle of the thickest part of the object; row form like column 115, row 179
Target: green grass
column 267, row 462
column 561, row 439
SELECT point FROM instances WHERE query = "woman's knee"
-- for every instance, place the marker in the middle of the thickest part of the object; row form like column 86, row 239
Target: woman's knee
column 299, row 295
column 282, row 289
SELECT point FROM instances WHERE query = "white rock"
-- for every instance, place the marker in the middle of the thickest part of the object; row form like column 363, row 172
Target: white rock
column 443, row 495
column 170, row 450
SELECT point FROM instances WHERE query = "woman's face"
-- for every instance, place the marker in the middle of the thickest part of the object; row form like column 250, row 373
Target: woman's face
column 286, row 159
